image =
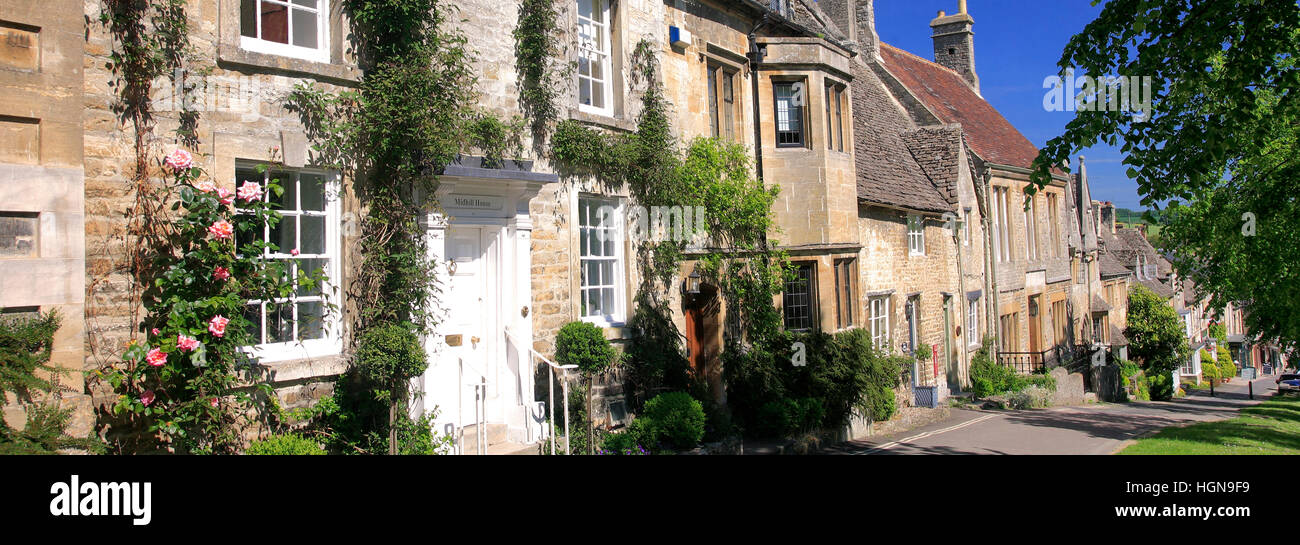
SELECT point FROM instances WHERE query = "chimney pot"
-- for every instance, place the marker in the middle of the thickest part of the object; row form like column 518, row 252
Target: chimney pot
column 961, row 6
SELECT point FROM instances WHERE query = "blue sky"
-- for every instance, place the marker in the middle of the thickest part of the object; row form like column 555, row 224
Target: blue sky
column 1017, row 44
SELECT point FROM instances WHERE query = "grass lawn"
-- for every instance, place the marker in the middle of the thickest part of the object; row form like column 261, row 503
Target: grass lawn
column 1272, row 427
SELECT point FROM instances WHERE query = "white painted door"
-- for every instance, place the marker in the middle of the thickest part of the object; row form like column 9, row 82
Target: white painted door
column 466, row 330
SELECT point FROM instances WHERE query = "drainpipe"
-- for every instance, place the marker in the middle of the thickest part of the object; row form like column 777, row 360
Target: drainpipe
column 755, row 59
column 991, row 265
column 963, row 369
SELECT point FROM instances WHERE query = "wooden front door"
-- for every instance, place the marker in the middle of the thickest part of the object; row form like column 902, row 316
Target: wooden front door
column 1035, row 327
column 704, row 338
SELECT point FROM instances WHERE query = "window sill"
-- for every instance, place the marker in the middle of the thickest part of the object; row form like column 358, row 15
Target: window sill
column 234, row 54
column 601, row 120
column 305, row 368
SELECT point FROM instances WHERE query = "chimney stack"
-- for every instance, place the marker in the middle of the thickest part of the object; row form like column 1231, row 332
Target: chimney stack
column 1108, row 216
column 954, row 43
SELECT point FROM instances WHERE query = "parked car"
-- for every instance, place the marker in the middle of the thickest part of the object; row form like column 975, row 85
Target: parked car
column 1288, row 383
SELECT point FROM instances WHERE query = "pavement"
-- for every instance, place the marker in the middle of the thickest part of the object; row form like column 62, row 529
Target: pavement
column 1103, row 428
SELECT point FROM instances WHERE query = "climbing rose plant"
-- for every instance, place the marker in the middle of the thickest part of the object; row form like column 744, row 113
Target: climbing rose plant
column 192, row 382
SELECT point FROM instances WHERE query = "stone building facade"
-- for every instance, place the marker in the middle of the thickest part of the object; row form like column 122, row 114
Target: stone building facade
column 238, row 81
column 42, row 258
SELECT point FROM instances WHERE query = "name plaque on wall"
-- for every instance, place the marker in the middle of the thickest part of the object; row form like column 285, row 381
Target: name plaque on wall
column 477, row 202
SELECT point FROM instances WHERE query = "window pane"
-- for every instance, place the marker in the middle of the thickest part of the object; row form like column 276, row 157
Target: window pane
column 253, row 313
column 289, row 200
column 304, row 28
column 307, row 3
column 310, row 267
column 312, row 187
column 275, row 23
column 586, row 8
column 607, row 301
column 584, row 87
column 712, row 97
column 248, row 18
column 313, row 234
column 284, row 234
column 311, row 320
column 279, row 323
column 598, row 92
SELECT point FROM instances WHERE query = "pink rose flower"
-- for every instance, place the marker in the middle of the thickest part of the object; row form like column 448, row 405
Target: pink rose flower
column 250, row 191
column 221, row 273
column 156, row 357
column 147, row 397
column 179, row 160
column 206, row 186
column 217, row 325
column 226, row 196
column 293, row 251
column 187, row 344
column 155, row 331
column 222, row 229
column 214, row 402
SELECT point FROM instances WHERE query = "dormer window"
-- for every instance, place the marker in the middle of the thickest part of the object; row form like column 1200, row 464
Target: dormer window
column 289, row 28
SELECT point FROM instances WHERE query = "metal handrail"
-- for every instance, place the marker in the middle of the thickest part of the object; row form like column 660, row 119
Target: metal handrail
column 550, row 386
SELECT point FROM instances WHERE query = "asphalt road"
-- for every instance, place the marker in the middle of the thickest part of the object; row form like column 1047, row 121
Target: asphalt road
column 1089, row 429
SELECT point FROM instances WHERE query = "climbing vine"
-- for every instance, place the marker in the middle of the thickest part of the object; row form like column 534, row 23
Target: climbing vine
column 537, row 46
column 149, row 41
column 412, row 114
column 735, row 254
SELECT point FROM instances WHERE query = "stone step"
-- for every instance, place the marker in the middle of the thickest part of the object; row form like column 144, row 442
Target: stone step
column 496, row 434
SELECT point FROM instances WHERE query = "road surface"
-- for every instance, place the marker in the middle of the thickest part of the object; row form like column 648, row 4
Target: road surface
column 1088, row 429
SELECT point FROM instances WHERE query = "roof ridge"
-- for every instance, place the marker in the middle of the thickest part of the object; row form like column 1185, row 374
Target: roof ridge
column 920, row 58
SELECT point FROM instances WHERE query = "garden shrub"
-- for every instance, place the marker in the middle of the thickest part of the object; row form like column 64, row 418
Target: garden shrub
column 26, row 374
column 1141, row 387
column 676, row 418
column 583, row 344
column 288, row 444
column 770, row 396
column 1030, row 397
column 638, row 439
column 988, row 377
column 1046, row 382
column 1227, row 368
column 1161, row 386
column 387, row 355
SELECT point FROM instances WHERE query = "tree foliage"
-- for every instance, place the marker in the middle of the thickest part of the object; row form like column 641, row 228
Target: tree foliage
column 1156, row 334
column 1220, row 148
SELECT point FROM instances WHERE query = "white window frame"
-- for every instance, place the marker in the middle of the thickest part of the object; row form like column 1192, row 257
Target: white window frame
column 1031, row 229
column 973, row 322
column 614, row 229
column 604, row 58
column 320, row 53
column 879, row 322
column 915, row 235
column 332, row 341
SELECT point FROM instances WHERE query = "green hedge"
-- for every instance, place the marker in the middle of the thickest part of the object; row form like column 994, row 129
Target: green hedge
column 285, row 445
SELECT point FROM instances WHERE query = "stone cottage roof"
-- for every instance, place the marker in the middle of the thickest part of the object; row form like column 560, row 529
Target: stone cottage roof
column 1099, row 304
column 937, row 150
column 1110, row 266
column 887, row 172
column 1162, row 289
column 947, row 95
column 1117, row 337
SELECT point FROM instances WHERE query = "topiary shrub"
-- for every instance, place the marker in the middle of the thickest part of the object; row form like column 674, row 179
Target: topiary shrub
column 583, row 344
column 676, row 418
column 288, row 444
column 1162, row 386
column 388, row 355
